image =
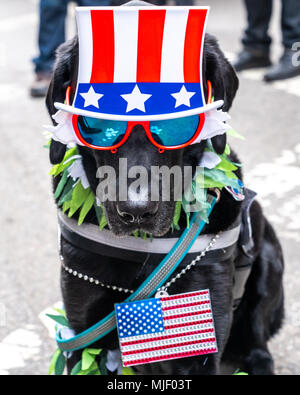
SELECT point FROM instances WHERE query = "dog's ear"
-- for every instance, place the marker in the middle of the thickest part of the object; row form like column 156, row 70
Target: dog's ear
column 221, row 74
column 64, row 75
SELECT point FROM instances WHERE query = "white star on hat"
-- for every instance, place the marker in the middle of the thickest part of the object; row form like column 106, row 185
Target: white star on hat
column 183, row 98
column 136, row 100
column 91, row 98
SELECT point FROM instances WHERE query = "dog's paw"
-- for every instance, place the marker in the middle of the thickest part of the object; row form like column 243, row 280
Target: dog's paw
column 259, row 362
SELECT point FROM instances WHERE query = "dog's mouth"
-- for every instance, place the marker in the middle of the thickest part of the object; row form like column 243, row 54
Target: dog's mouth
column 152, row 218
column 138, row 186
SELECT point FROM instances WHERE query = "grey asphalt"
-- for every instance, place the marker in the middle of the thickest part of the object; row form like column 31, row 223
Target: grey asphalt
column 267, row 115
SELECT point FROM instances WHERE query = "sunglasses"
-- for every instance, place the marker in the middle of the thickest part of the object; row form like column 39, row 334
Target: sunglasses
column 169, row 134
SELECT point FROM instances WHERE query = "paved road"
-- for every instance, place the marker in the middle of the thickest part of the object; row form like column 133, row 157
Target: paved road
column 267, row 115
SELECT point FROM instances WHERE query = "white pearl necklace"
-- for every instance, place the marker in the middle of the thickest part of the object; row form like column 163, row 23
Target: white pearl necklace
column 92, row 280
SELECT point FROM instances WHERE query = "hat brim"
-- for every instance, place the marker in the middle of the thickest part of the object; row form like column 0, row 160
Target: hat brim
column 139, row 118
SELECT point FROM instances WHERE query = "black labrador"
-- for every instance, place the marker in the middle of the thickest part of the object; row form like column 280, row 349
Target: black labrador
column 242, row 335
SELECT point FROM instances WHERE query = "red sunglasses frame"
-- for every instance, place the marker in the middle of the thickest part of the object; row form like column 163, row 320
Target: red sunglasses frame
column 145, row 125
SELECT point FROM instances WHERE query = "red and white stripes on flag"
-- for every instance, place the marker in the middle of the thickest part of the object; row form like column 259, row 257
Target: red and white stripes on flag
column 184, row 328
column 125, row 45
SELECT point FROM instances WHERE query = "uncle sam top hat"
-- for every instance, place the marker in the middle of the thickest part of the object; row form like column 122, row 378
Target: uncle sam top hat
column 140, row 63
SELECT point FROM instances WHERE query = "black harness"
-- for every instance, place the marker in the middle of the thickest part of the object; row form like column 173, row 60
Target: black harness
column 241, row 250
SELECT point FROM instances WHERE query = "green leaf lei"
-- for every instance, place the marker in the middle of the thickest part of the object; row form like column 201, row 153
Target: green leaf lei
column 92, row 363
column 93, row 360
column 73, row 198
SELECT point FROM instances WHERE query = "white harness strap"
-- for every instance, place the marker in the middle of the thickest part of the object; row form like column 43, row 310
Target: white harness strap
column 154, row 246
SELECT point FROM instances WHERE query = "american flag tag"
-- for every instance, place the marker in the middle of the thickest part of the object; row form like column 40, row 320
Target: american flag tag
column 165, row 328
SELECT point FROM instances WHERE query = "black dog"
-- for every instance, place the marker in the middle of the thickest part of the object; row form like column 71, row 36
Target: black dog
column 242, row 335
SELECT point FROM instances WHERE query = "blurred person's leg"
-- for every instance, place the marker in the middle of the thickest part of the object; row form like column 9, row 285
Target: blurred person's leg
column 256, row 40
column 51, row 35
column 290, row 25
column 256, row 35
column 290, row 22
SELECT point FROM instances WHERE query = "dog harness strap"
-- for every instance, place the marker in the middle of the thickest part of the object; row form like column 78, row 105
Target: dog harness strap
column 241, row 276
column 88, row 237
column 246, row 257
column 146, row 290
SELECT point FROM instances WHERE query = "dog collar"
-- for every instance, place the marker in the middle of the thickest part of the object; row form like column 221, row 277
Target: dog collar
column 88, row 237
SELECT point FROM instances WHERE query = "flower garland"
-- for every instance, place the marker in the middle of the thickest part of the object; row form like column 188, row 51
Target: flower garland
column 74, row 194
column 94, row 361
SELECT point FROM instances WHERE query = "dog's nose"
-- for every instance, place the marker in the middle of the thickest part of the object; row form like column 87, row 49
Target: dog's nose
column 132, row 212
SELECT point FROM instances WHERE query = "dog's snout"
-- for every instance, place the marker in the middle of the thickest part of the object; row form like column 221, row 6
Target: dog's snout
column 136, row 213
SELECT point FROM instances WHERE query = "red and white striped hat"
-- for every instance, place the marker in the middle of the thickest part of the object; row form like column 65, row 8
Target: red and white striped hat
column 138, row 64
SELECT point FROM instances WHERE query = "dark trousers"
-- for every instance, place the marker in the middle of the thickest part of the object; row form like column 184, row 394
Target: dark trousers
column 259, row 12
column 52, row 29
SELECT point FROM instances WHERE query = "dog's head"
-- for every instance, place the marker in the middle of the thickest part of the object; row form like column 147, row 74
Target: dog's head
column 138, row 210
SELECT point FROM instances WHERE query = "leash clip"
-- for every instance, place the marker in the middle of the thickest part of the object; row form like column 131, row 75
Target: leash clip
column 161, row 293
column 217, row 192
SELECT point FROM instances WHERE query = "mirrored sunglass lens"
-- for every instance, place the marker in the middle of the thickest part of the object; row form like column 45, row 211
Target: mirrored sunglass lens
column 174, row 132
column 101, row 133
